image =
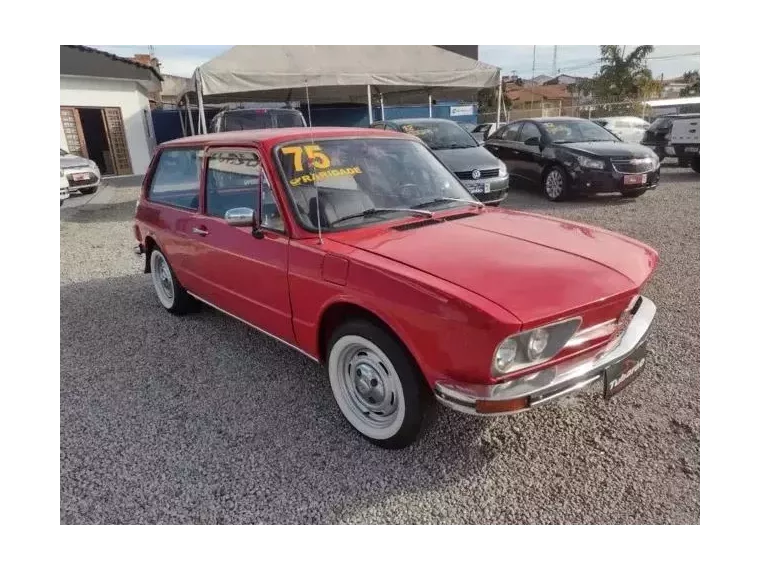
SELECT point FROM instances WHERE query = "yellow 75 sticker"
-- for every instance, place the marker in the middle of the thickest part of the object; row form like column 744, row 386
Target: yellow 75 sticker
column 313, row 153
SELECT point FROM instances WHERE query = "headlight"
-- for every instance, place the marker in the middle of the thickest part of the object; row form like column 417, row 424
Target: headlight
column 587, row 162
column 532, row 347
column 502, row 169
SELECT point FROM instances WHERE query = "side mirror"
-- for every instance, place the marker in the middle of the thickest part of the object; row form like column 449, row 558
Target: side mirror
column 533, row 141
column 240, row 217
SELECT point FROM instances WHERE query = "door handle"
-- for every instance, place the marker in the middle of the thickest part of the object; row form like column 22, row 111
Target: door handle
column 200, row 231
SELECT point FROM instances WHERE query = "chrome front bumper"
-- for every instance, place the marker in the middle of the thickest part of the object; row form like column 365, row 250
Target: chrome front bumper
column 538, row 388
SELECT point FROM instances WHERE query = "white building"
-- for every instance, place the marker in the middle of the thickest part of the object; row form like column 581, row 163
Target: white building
column 105, row 113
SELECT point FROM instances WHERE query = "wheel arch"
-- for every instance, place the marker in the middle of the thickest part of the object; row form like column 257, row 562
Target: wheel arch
column 342, row 311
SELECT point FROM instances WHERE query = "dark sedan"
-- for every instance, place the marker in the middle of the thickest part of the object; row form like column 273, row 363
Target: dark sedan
column 568, row 156
column 482, row 174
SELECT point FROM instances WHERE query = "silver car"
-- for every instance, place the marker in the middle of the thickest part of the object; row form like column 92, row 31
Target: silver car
column 484, row 175
column 82, row 174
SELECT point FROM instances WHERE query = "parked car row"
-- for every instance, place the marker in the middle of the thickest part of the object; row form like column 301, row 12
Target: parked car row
column 363, row 250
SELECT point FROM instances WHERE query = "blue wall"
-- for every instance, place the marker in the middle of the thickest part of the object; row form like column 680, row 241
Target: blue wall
column 356, row 115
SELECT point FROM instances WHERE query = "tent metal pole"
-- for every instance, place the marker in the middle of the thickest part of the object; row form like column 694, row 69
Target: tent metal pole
column 382, row 108
column 182, row 121
column 201, row 113
column 369, row 105
column 430, row 105
column 189, row 113
column 498, row 104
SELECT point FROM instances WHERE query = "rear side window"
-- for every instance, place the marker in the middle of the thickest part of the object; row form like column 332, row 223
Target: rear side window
column 510, row 134
column 176, row 180
column 530, row 131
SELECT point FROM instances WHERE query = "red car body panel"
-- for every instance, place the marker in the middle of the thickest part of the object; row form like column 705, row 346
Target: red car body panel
column 450, row 291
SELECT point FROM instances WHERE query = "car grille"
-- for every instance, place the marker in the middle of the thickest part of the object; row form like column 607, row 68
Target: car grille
column 488, row 173
column 632, row 166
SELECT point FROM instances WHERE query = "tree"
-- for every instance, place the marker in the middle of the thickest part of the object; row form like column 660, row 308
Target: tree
column 621, row 77
column 692, row 78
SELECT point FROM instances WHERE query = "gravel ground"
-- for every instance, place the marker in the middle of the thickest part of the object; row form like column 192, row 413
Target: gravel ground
column 200, row 419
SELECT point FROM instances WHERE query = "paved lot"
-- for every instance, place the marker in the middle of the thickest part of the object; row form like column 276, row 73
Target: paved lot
column 200, row 419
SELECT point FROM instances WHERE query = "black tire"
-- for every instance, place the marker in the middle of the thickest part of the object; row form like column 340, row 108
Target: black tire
column 695, row 164
column 88, row 190
column 180, row 302
column 563, row 180
column 415, row 395
column 634, row 193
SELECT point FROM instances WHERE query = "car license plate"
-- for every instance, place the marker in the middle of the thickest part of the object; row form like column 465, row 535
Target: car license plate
column 630, row 179
column 618, row 376
column 691, row 149
column 83, row 176
column 478, row 187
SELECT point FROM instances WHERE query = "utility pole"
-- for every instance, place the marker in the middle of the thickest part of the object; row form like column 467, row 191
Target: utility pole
column 533, row 78
column 554, row 63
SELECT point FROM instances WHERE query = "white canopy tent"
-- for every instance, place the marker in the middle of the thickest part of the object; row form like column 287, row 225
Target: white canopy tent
column 397, row 74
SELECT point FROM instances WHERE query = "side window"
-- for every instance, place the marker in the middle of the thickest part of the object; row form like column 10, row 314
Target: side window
column 232, row 181
column 510, row 134
column 530, row 131
column 176, row 181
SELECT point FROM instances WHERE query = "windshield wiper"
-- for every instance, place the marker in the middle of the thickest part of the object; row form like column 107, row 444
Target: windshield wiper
column 375, row 211
column 443, row 199
column 452, row 146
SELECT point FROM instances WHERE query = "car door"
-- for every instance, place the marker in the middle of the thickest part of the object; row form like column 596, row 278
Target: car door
column 172, row 206
column 528, row 153
column 242, row 274
column 503, row 145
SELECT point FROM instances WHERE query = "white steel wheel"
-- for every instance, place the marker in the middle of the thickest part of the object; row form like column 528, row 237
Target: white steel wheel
column 367, row 387
column 163, row 280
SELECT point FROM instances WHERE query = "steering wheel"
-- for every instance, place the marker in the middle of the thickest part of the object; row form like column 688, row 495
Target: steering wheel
column 411, row 189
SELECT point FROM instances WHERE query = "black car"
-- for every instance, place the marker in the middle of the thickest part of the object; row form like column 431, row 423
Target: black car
column 568, row 156
column 484, row 176
column 245, row 119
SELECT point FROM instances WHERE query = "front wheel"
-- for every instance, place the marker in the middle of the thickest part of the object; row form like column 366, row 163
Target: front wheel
column 555, row 184
column 376, row 385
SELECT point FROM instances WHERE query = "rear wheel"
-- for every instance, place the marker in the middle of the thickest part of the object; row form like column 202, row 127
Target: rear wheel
column 88, row 190
column 170, row 293
column 376, row 384
column 555, row 184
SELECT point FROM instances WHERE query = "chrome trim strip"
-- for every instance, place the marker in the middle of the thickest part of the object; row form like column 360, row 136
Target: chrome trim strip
column 202, row 300
column 553, row 382
column 597, row 331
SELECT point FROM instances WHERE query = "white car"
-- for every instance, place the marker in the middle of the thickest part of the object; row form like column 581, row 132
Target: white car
column 82, row 174
column 629, row 129
column 61, row 188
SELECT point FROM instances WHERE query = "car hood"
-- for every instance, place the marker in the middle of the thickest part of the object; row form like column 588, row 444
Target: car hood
column 535, row 267
column 73, row 161
column 609, row 149
column 464, row 159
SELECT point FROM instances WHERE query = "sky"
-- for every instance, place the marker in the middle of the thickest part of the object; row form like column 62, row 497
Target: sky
column 670, row 61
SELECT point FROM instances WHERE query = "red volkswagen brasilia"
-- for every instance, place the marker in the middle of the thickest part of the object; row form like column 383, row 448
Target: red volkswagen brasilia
column 360, row 249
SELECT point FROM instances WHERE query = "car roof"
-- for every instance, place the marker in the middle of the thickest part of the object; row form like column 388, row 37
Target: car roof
column 555, row 119
column 262, row 111
column 417, row 120
column 275, row 136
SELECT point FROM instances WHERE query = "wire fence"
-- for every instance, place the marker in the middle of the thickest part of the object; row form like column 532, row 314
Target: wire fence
column 587, row 110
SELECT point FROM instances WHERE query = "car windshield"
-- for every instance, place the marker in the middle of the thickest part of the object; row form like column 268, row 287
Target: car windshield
column 364, row 181
column 577, row 131
column 439, row 134
column 262, row 119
